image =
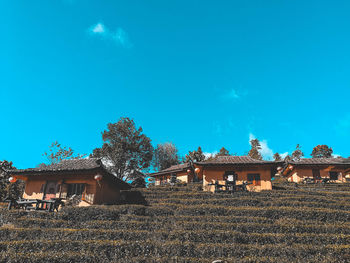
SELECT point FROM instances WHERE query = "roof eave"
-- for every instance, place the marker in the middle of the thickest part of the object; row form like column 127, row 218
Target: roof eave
column 32, row 173
column 167, row 172
column 236, row 164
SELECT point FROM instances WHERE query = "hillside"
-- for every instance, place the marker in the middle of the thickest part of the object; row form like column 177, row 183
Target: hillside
column 183, row 224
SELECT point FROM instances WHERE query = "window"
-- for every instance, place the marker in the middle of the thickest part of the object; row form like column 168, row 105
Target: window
column 230, row 176
column 333, row 175
column 254, row 179
column 75, row 189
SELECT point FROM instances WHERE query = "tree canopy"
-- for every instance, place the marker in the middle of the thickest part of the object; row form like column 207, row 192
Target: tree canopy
column 255, row 149
column 322, row 151
column 57, row 153
column 7, row 189
column 277, row 157
column 126, row 149
column 164, row 156
column 223, row 152
column 297, row 154
column 195, row 156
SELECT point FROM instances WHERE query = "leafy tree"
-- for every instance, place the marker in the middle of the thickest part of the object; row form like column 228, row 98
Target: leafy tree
column 297, row 154
column 255, row 149
column 277, row 157
column 57, row 153
column 223, row 152
column 125, row 148
column 322, row 151
column 164, row 156
column 7, row 189
column 196, row 156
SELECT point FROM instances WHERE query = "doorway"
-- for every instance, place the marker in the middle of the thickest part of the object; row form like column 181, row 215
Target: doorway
column 50, row 190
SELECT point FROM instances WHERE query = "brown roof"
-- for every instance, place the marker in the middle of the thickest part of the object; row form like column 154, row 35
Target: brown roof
column 320, row 161
column 323, row 162
column 72, row 165
column 172, row 169
column 234, row 160
column 65, row 165
column 346, row 160
column 220, row 160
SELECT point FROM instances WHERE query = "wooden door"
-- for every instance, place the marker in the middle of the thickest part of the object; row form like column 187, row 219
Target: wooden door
column 316, row 174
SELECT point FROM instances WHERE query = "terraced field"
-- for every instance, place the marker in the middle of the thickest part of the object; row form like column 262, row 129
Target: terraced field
column 182, row 224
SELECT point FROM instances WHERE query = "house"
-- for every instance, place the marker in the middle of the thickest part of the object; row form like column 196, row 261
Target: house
column 257, row 173
column 87, row 178
column 182, row 171
column 335, row 169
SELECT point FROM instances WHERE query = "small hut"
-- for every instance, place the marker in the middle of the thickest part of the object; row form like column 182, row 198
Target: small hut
column 256, row 173
column 334, row 169
column 88, row 179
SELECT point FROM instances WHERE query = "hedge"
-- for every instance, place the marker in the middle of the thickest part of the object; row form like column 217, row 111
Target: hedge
column 241, row 224
column 238, row 236
column 119, row 249
column 181, row 224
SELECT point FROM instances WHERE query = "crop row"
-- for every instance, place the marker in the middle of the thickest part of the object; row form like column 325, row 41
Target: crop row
column 63, row 256
column 127, row 218
column 261, row 195
column 54, row 257
column 171, row 224
column 123, row 249
column 299, row 198
column 323, row 214
column 114, row 212
column 343, row 205
column 240, row 235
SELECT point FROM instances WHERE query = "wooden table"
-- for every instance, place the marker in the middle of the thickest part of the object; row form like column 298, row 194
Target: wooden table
column 45, row 205
column 229, row 187
column 27, row 204
column 23, row 203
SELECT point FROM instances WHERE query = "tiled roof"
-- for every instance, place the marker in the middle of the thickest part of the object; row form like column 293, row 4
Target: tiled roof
column 173, row 168
column 234, row 160
column 65, row 165
column 177, row 167
column 346, row 160
column 73, row 165
column 220, row 160
column 320, row 161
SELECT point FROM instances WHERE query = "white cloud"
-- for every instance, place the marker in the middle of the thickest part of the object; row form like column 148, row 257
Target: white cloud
column 284, row 155
column 208, row 155
column 118, row 36
column 265, row 151
column 99, row 28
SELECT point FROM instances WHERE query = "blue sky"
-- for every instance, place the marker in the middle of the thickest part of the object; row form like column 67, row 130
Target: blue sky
column 208, row 73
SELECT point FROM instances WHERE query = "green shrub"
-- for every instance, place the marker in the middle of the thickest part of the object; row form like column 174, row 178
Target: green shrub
column 181, row 224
